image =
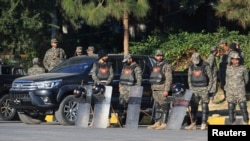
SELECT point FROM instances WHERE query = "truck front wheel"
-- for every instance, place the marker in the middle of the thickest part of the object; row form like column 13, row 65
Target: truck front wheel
column 67, row 112
column 6, row 112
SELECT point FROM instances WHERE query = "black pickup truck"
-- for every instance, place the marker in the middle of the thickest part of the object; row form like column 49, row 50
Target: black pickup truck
column 52, row 92
column 7, row 75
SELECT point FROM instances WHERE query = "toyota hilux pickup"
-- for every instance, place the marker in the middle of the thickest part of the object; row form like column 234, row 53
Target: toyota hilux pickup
column 52, row 93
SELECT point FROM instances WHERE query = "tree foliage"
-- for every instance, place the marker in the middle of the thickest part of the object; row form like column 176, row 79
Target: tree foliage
column 234, row 10
column 95, row 12
column 179, row 47
column 21, row 25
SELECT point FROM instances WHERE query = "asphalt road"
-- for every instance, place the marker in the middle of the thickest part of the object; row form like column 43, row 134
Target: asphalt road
column 18, row 131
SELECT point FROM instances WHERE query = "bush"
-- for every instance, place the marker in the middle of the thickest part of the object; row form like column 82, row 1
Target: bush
column 179, row 47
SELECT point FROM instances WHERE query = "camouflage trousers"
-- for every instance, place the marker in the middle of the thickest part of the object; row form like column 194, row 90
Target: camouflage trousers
column 200, row 95
column 236, row 98
column 159, row 98
column 124, row 92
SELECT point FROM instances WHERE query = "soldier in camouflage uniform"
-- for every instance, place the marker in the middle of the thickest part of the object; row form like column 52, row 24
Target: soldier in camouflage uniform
column 161, row 81
column 35, row 69
column 78, row 51
column 236, row 80
column 102, row 71
column 223, row 64
column 131, row 75
column 214, row 69
column 53, row 56
column 200, row 82
column 91, row 51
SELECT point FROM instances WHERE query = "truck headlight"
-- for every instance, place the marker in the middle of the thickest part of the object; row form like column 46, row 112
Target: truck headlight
column 48, row 84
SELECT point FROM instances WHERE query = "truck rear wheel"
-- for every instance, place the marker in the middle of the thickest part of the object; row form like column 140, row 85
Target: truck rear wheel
column 67, row 112
column 28, row 119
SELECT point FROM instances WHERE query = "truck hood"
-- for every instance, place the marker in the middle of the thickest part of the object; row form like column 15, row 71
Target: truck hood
column 45, row 76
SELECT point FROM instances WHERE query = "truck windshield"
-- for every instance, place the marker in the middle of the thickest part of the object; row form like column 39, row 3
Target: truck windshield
column 74, row 65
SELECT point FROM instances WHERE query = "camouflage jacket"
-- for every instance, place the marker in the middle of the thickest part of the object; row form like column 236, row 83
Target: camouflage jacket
column 206, row 71
column 53, row 57
column 167, row 72
column 236, row 80
column 35, row 69
column 137, row 74
column 94, row 73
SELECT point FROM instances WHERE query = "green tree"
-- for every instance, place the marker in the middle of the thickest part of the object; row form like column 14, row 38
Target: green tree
column 234, row 10
column 95, row 13
column 23, row 24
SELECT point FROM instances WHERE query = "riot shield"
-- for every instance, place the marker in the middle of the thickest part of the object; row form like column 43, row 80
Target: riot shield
column 83, row 110
column 134, row 106
column 179, row 111
column 101, row 110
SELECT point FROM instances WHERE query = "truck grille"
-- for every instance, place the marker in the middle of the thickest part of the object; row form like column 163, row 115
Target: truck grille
column 24, row 96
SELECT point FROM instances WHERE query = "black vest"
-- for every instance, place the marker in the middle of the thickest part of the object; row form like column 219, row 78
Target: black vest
column 156, row 76
column 128, row 75
column 103, row 71
column 199, row 76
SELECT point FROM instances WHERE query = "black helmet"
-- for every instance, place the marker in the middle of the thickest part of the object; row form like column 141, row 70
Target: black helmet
column 98, row 91
column 178, row 90
column 80, row 92
column 102, row 53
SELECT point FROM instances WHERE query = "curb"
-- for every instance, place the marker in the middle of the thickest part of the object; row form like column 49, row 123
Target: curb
column 224, row 120
column 113, row 119
column 212, row 120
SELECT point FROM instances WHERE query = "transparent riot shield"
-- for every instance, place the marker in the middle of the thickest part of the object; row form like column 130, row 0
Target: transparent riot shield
column 134, row 106
column 179, row 111
column 83, row 111
column 102, row 109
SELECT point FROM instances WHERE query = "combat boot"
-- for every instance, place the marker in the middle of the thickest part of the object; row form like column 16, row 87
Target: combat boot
column 245, row 123
column 161, row 127
column 164, row 121
column 203, row 126
column 157, row 124
column 192, row 126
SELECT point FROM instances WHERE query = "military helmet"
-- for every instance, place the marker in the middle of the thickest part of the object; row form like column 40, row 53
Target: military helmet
column 98, row 91
column 234, row 54
column 80, row 92
column 178, row 90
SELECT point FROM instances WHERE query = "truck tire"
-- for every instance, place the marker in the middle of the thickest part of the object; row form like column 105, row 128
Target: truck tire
column 28, row 119
column 67, row 112
column 7, row 113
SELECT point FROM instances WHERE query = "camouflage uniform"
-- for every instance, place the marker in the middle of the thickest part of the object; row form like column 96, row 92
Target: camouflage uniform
column 49, row 61
column 158, row 89
column 214, row 69
column 161, row 80
column 131, row 75
column 223, row 67
column 95, row 71
column 197, row 68
column 36, row 69
column 125, row 89
column 236, row 80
